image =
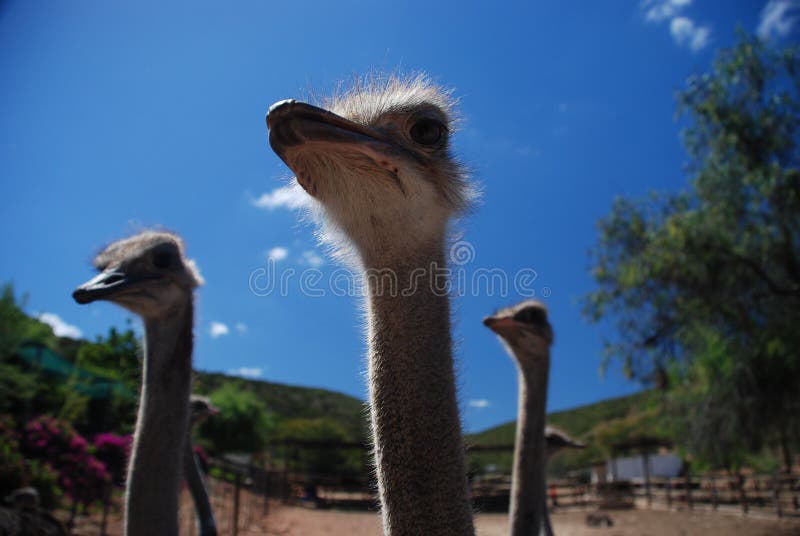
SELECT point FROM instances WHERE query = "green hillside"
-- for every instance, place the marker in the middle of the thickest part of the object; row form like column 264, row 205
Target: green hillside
column 294, row 402
column 598, row 425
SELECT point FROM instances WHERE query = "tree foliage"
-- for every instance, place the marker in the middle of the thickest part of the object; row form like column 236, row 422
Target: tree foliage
column 117, row 355
column 704, row 284
column 243, row 425
column 341, row 461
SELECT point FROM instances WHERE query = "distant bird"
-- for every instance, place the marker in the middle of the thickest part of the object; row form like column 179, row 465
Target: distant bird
column 150, row 275
column 24, row 518
column 599, row 519
column 200, row 409
column 557, row 440
column 378, row 161
column 527, row 335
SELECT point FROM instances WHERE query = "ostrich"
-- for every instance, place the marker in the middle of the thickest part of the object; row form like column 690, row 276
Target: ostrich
column 378, row 161
column 527, row 335
column 149, row 275
column 25, row 517
column 555, row 441
column 200, row 409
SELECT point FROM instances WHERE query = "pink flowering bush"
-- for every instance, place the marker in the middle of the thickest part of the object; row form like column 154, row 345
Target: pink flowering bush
column 16, row 471
column 12, row 464
column 113, row 450
column 80, row 474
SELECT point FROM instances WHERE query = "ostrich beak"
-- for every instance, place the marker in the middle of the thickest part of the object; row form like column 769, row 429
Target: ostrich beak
column 293, row 123
column 499, row 324
column 107, row 284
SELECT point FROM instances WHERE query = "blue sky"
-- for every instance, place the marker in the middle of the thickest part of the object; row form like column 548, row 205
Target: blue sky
column 117, row 116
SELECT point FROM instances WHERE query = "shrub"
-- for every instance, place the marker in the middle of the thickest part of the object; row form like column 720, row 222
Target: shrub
column 80, row 474
column 16, row 472
column 113, row 450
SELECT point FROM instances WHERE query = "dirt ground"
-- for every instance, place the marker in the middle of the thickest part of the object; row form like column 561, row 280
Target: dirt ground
column 283, row 520
column 296, row 521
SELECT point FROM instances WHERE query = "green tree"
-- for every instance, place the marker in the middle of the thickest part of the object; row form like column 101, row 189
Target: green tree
column 243, row 425
column 320, row 460
column 704, row 284
column 22, row 392
column 17, row 327
column 117, row 356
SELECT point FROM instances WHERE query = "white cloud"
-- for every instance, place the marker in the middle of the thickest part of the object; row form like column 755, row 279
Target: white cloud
column 277, row 253
column 480, row 403
column 60, row 328
column 684, row 31
column 247, row 372
column 775, row 19
column 687, row 33
column 311, row 258
column 241, row 327
column 218, row 329
column 291, row 197
column 660, row 10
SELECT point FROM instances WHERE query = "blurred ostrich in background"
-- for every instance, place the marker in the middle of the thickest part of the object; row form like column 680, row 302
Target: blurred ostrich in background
column 150, row 275
column 527, row 335
column 200, row 408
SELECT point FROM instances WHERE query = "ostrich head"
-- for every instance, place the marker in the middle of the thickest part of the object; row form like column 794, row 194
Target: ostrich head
column 378, row 159
column 26, row 498
column 147, row 274
column 201, row 409
column 524, row 328
column 557, row 439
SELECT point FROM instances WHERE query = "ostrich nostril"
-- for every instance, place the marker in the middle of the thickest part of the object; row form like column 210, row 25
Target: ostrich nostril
column 113, row 278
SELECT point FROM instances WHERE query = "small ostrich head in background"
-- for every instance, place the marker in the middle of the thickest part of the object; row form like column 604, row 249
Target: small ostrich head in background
column 378, row 159
column 201, row 408
column 147, row 274
column 524, row 328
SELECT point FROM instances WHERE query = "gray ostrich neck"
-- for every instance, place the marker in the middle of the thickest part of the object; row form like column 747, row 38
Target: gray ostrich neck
column 416, row 427
column 197, row 487
column 527, row 508
column 156, row 462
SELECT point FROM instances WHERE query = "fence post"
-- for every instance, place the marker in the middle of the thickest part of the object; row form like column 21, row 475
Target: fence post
column 714, row 498
column 646, row 466
column 237, row 487
column 689, row 489
column 742, row 494
column 285, row 483
column 266, row 494
column 669, row 492
column 777, row 494
column 107, row 494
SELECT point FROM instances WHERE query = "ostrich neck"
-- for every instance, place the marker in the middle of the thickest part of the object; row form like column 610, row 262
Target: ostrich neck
column 416, row 427
column 197, row 487
column 526, row 510
column 156, row 462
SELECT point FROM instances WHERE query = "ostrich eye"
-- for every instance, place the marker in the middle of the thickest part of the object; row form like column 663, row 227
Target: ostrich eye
column 427, row 132
column 533, row 316
column 162, row 259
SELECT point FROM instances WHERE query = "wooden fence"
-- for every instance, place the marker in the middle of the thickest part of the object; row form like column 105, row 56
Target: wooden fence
column 777, row 494
column 241, row 499
column 240, row 507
